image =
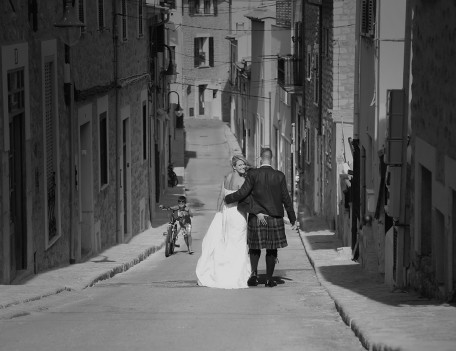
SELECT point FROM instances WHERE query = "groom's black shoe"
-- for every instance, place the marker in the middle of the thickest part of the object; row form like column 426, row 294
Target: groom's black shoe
column 270, row 283
column 253, row 280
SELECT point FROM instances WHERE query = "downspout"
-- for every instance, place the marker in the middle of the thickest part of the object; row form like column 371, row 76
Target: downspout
column 115, row 38
column 71, row 158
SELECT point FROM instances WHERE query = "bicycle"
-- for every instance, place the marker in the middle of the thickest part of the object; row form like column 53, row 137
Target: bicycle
column 172, row 231
column 172, row 177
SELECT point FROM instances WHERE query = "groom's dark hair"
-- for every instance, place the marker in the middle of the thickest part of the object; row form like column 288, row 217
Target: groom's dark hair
column 266, row 153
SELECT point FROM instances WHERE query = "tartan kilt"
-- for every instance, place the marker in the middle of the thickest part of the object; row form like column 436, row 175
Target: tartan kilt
column 271, row 236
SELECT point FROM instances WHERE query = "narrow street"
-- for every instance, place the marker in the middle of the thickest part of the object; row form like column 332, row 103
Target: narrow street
column 157, row 305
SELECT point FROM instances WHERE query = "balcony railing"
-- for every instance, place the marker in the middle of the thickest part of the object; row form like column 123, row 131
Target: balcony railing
column 289, row 71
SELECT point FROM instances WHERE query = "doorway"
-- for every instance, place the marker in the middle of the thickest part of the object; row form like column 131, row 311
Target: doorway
column 317, row 173
column 86, row 188
column 126, row 178
column 18, row 223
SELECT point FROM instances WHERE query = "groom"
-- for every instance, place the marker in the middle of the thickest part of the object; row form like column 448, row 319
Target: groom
column 269, row 194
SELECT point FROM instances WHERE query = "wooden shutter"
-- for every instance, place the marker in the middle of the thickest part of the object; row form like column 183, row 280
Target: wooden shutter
column 100, row 15
column 81, row 14
column 196, row 52
column 211, row 51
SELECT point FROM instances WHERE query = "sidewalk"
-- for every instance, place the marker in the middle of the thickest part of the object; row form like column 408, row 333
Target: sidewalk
column 107, row 263
column 382, row 319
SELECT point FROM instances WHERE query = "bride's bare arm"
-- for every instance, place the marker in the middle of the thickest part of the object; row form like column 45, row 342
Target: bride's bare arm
column 221, row 197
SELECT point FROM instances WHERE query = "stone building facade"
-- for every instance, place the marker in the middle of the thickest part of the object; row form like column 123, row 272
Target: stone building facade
column 431, row 267
column 327, row 110
column 206, row 59
column 77, row 154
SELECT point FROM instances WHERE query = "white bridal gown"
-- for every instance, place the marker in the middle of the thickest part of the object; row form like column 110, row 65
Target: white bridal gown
column 224, row 261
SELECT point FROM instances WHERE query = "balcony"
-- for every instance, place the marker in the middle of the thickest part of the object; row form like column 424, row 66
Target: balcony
column 289, row 71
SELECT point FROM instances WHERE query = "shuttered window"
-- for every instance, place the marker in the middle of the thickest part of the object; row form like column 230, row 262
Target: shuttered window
column 204, row 52
column 316, row 79
column 144, row 129
column 368, row 12
column 81, row 14
column 101, row 19
column 103, row 148
column 140, row 18
column 124, row 21
column 202, row 7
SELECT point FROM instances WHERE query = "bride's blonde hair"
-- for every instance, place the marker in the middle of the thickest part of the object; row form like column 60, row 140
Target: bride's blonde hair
column 240, row 157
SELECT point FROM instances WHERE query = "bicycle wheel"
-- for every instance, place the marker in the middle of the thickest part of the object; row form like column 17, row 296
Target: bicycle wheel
column 169, row 243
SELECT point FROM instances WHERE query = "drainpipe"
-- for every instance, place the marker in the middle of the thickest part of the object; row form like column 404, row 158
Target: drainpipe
column 115, row 38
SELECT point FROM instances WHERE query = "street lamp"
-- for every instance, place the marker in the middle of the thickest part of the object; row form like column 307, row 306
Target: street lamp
column 178, row 112
column 70, row 24
column 70, row 32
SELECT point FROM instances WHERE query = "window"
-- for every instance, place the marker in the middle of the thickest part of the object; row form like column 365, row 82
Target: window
column 307, row 140
column 201, row 91
column 204, row 51
column 81, row 14
column 368, row 9
column 144, row 130
column 309, row 62
column 140, row 18
column 32, row 13
column 316, row 79
column 103, row 138
column 50, row 150
column 124, row 20
column 325, row 42
column 202, row 7
column 101, row 18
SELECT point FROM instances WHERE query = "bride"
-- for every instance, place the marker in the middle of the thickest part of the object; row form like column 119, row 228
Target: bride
column 224, row 261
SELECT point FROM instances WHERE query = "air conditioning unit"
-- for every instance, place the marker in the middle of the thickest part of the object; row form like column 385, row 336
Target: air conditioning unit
column 394, row 126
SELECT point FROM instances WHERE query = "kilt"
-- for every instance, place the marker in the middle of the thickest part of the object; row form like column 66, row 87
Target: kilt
column 271, row 236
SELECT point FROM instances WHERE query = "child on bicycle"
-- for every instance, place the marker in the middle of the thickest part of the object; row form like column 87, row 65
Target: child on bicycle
column 184, row 215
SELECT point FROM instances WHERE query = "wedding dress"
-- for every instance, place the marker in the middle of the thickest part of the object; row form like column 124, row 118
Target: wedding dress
column 224, row 261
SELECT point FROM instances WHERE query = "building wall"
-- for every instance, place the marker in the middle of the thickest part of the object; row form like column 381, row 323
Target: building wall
column 215, row 77
column 92, row 67
column 309, row 186
column 432, row 247
column 341, row 50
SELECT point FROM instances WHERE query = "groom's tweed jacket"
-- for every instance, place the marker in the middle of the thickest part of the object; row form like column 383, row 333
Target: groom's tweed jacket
column 267, row 188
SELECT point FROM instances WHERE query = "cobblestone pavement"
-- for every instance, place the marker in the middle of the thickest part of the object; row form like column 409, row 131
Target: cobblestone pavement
column 382, row 319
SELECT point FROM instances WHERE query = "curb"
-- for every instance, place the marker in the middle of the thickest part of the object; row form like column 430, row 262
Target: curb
column 124, row 266
column 343, row 311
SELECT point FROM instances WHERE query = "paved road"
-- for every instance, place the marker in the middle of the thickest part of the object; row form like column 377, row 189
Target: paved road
column 157, row 305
